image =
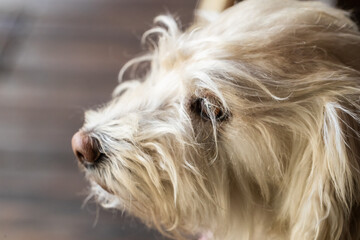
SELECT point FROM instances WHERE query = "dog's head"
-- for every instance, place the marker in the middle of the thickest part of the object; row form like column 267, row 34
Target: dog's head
column 154, row 147
column 252, row 107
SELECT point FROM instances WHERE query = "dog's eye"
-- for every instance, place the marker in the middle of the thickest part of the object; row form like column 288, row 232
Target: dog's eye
column 208, row 110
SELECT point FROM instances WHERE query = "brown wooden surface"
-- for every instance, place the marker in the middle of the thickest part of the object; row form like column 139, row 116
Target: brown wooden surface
column 58, row 58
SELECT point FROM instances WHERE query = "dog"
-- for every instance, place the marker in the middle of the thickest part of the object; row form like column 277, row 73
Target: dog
column 244, row 126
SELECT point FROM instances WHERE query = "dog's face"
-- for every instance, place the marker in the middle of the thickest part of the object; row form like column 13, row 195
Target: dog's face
column 228, row 117
column 158, row 143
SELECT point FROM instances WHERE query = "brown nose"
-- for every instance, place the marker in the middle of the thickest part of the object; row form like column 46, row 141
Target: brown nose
column 85, row 148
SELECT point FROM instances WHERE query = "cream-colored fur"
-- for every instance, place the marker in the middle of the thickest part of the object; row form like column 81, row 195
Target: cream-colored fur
column 245, row 127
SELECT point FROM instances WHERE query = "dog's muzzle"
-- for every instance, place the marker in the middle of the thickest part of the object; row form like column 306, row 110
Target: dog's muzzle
column 86, row 149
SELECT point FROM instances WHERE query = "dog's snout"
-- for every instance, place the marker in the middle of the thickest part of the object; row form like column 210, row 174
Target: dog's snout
column 86, row 148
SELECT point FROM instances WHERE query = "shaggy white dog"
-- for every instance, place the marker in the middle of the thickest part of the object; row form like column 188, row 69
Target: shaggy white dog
column 245, row 127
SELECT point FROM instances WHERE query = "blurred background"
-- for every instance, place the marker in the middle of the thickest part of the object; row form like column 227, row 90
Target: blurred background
column 58, row 58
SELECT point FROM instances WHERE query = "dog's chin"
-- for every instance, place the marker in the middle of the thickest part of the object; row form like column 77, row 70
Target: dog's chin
column 105, row 188
column 91, row 173
column 104, row 196
column 99, row 185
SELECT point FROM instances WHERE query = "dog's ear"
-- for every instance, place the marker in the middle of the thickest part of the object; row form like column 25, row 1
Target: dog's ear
column 324, row 174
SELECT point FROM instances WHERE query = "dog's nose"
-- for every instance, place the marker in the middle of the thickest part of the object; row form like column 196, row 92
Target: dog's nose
column 85, row 148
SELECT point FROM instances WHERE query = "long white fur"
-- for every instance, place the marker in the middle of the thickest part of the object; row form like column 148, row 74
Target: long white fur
column 282, row 166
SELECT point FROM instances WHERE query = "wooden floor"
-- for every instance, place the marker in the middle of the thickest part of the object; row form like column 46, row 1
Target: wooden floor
column 58, row 58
